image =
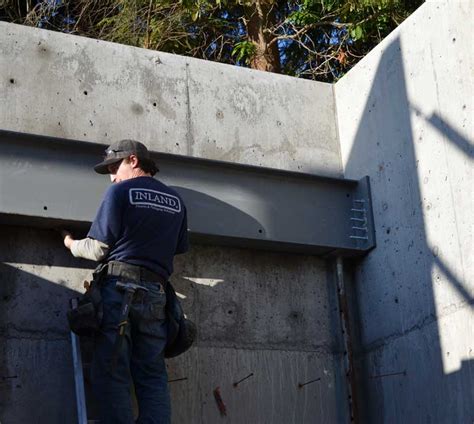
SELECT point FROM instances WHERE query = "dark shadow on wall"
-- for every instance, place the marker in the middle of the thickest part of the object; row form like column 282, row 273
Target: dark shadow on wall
column 36, row 375
column 455, row 138
column 398, row 354
column 455, row 283
column 37, row 274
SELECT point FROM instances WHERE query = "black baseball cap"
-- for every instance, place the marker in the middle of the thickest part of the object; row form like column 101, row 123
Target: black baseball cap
column 123, row 149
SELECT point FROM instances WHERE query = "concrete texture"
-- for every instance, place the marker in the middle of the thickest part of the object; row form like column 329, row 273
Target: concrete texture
column 98, row 91
column 270, row 396
column 37, row 280
column 262, row 313
column 273, row 315
column 274, row 322
column 410, row 129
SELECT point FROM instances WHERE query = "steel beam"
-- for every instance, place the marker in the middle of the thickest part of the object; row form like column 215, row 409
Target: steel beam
column 47, row 181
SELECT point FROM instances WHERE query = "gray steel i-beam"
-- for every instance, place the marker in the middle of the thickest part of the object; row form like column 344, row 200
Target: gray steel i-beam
column 49, row 182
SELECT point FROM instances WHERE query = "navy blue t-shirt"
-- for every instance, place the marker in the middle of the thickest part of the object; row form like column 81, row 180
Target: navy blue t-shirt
column 143, row 222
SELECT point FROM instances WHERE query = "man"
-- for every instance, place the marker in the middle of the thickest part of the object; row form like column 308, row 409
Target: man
column 139, row 227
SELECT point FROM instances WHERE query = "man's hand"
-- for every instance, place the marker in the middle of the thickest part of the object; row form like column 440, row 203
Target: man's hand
column 67, row 238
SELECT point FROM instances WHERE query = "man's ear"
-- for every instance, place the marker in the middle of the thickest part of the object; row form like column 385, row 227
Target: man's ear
column 134, row 162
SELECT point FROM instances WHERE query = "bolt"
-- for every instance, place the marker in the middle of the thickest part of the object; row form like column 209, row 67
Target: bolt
column 300, row 385
column 240, row 381
column 404, row 373
column 177, row 379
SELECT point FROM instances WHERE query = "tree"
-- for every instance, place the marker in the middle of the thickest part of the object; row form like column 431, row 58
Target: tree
column 316, row 39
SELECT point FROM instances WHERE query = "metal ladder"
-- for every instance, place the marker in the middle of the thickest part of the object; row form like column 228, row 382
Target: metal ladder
column 79, row 380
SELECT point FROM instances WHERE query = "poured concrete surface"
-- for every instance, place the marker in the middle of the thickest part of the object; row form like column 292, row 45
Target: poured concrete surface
column 262, row 313
column 98, row 91
column 410, row 129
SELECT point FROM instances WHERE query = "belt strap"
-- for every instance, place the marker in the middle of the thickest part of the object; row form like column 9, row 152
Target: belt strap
column 133, row 272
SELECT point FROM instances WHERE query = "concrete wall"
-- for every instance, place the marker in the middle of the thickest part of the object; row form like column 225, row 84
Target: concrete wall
column 93, row 90
column 269, row 314
column 410, row 128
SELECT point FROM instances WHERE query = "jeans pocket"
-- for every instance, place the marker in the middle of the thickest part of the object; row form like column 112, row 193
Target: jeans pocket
column 153, row 314
column 155, row 302
column 111, row 304
column 158, row 311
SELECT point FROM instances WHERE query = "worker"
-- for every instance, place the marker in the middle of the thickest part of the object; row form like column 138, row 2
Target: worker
column 139, row 227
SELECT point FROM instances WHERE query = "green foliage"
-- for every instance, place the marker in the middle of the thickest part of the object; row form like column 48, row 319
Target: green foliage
column 357, row 32
column 302, row 17
column 244, row 51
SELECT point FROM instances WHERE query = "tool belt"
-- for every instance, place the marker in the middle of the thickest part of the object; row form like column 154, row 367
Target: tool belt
column 85, row 315
column 182, row 332
column 133, row 273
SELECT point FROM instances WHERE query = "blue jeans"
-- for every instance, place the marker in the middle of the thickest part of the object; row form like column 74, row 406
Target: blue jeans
column 140, row 358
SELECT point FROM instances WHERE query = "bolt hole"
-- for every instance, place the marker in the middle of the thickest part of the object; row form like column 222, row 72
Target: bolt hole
column 230, row 312
column 260, row 231
column 45, row 208
column 154, row 104
column 85, row 93
column 348, row 195
column 12, row 81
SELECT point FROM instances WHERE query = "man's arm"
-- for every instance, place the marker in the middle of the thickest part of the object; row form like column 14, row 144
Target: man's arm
column 104, row 231
column 87, row 248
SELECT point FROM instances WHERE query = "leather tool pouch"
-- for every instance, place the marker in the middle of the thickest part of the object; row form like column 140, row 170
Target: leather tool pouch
column 181, row 331
column 85, row 315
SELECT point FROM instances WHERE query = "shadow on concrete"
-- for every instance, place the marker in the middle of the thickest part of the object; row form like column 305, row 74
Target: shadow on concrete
column 399, row 356
column 450, row 133
column 16, row 240
column 455, row 283
column 36, row 375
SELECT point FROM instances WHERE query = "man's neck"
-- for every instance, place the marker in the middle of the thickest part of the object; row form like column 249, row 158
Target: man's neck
column 140, row 173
